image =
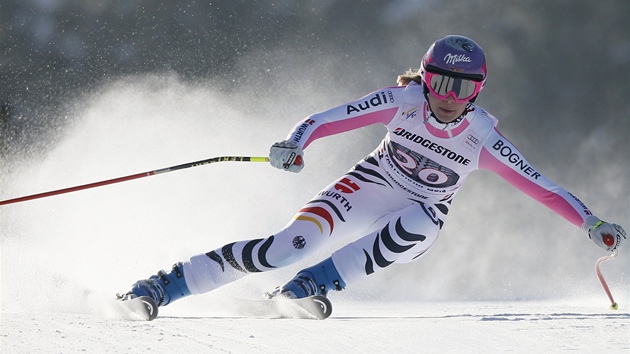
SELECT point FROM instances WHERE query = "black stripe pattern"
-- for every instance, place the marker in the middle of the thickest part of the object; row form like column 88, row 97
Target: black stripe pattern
column 387, row 240
column 248, row 256
column 369, row 175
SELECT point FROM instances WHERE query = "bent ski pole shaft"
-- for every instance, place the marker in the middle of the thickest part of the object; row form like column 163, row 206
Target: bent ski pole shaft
column 136, row 176
column 613, row 304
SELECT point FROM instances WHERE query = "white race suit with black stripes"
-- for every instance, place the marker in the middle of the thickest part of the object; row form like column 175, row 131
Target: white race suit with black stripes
column 394, row 202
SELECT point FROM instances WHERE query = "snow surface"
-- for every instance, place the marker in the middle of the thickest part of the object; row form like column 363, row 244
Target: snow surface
column 355, row 327
column 495, row 281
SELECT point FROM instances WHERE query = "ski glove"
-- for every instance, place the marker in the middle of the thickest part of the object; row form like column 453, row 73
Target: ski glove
column 287, row 155
column 605, row 235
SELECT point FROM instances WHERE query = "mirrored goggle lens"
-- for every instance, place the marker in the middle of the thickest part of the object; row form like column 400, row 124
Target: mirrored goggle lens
column 441, row 85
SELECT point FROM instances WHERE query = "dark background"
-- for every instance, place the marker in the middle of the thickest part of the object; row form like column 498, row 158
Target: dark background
column 561, row 64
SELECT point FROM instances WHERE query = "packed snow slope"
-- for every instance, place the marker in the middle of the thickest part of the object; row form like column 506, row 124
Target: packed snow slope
column 355, row 327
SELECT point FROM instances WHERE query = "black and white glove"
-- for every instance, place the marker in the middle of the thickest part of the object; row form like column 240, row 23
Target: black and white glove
column 287, row 155
column 605, row 235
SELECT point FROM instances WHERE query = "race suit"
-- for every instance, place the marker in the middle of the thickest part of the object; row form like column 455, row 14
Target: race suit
column 395, row 201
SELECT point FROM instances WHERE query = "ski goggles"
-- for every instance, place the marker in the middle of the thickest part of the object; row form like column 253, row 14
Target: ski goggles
column 460, row 88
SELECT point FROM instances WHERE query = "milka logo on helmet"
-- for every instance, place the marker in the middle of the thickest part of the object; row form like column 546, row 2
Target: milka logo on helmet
column 456, row 58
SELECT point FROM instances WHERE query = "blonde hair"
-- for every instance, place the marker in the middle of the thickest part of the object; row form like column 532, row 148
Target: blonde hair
column 408, row 76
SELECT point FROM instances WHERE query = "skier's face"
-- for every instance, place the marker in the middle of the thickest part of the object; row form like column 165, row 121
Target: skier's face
column 446, row 110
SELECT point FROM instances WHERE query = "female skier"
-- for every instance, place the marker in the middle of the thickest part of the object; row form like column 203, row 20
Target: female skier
column 397, row 198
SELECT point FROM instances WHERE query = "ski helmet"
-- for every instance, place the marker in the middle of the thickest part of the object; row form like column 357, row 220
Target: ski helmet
column 454, row 66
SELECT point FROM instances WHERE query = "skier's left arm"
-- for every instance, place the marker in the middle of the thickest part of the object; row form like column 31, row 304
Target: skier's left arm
column 500, row 156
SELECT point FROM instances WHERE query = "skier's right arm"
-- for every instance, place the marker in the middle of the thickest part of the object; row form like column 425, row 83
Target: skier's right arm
column 377, row 107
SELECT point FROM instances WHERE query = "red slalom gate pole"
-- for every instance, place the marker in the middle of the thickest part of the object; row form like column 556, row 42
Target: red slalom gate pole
column 136, row 176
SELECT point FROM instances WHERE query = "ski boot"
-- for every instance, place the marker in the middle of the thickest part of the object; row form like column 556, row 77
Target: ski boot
column 315, row 280
column 163, row 288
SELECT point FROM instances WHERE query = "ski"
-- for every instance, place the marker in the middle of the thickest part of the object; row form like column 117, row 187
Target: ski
column 143, row 307
column 312, row 307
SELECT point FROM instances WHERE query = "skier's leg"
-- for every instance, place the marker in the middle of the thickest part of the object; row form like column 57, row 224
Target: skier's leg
column 347, row 207
column 208, row 271
column 408, row 235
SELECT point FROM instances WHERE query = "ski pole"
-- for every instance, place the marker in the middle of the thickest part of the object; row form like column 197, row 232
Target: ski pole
column 136, row 176
column 613, row 304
